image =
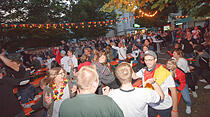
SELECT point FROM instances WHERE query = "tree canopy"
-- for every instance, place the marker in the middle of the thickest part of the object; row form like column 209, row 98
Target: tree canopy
column 191, row 7
column 50, row 12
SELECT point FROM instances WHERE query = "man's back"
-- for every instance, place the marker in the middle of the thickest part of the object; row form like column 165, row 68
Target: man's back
column 134, row 103
column 90, row 105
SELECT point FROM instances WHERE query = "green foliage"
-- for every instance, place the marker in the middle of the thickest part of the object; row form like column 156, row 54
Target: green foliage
column 88, row 10
column 50, row 12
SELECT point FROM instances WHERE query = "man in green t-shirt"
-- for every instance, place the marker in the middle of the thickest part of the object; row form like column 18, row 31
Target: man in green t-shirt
column 87, row 103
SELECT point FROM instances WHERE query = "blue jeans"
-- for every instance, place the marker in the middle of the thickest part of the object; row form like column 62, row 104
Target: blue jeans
column 185, row 95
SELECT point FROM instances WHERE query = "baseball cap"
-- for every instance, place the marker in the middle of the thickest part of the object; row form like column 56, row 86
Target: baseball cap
column 151, row 53
column 63, row 52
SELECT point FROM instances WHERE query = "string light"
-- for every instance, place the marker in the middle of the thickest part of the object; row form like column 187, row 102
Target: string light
column 182, row 16
column 147, row 14
column 79, row 24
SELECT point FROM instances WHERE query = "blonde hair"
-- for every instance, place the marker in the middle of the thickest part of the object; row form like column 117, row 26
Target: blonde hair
column 179, row 52
column 124, row 72
column 173, row 67
column 87, row 76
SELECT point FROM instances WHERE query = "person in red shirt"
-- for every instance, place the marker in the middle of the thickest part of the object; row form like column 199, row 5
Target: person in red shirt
column 57, row 54
column 180, row 81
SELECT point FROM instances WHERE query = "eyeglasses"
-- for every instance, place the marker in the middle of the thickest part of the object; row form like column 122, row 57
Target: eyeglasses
column 148, row 60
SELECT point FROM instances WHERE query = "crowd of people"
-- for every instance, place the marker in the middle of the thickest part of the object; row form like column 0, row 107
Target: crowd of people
column 83, row 81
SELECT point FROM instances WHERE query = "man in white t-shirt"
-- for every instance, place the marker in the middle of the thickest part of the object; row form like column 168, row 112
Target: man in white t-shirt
column 66, row 63
column 133, row 101
column 121, row 50
column 73, row 59
column 168, row 107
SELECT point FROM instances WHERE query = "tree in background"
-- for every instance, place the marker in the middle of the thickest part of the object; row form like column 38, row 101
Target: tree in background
column 89, row 10
column 193, row 8
column 50, row 12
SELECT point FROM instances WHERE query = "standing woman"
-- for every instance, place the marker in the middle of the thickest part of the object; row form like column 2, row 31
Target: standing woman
column 105, row 75
column 182, row 63
column 180, row 81
column 58, row 89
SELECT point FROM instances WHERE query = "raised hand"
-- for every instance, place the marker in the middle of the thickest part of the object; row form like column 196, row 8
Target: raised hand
column 150, row 81
column 105, row 90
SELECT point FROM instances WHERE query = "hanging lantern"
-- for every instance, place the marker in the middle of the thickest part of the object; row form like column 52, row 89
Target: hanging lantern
column 69, row 27
column 24, row 25
column 101, row 25
column 83, row 26
column 94, row 25
column 12, row 25
column 21, row 25
column 27, row 25
column 76, row 27
column 88, row 26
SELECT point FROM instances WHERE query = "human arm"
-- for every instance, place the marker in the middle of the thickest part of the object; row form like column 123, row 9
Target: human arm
column 115, row 47
column 174, row 111
column 139, row 74
column 75, row 61
column 9, row 63
column 156, row 87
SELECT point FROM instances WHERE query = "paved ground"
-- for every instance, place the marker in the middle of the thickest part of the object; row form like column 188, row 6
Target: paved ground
column 200, row 105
